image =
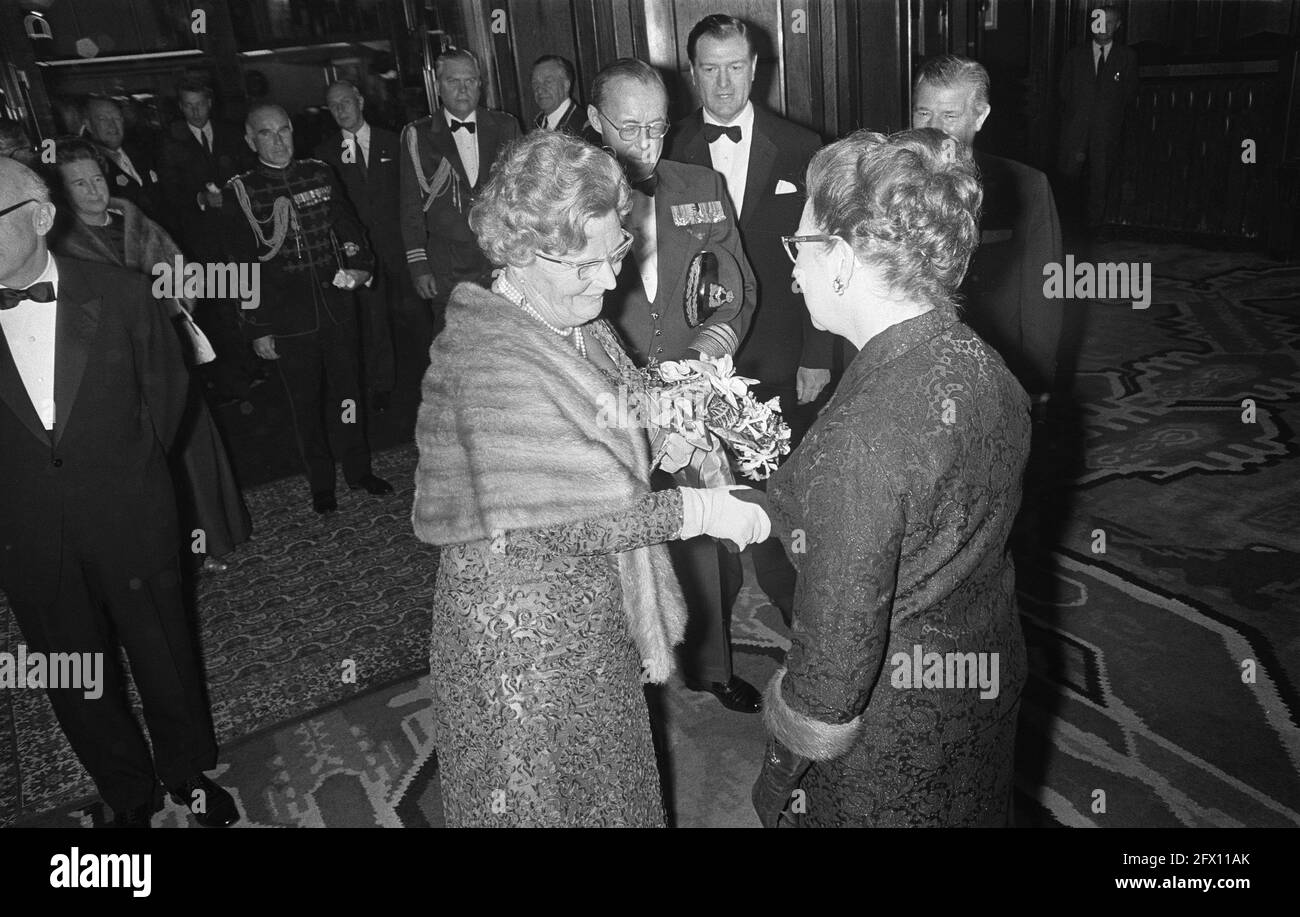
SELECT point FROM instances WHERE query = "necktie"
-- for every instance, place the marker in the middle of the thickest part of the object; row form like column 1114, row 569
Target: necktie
column 647, row 185
column 457, row 125
column 541, row 119
column 207, row 144
column 1101, row 62
column 713, row 131
column 40, row 292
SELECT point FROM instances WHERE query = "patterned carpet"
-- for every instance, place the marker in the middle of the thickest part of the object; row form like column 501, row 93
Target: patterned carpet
column 304, row 596
column 1136, row 713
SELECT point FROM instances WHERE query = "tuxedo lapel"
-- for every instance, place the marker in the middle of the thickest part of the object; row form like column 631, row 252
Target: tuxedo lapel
column 762, row 157
column 695, row 149
column 75, row 328
column 14, row 393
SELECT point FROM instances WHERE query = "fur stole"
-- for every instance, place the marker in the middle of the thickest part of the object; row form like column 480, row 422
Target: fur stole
column 508, row 439
column 145, row 241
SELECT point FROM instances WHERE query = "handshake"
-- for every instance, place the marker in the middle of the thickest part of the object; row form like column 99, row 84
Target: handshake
column 736, row 514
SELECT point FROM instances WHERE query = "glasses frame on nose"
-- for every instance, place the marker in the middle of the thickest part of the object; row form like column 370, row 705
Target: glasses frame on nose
column 11, row 209
column 628, row 132
column 791, row 243
column 586, row 269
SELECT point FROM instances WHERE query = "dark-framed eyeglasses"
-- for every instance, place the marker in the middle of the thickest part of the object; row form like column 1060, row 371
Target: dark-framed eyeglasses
column 654, row 130
column 30, row 200
column 587, row 269
column 791, row 243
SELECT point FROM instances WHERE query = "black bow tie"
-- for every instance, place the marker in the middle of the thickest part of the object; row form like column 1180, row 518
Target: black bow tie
column 713, row 131
column 40, row 292
column 647, row 185
column 457, row 125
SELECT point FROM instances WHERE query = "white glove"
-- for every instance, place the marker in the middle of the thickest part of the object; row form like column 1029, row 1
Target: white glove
column 714, row 511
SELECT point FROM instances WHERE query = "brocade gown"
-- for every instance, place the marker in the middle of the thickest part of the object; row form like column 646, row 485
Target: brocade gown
column 540, row 719
column 905, row 490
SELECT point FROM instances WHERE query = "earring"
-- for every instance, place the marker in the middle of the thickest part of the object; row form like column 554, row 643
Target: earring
column 838, row 286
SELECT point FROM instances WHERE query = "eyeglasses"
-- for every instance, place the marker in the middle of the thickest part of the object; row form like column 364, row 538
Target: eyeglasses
column 587, row 269
column 792, row 243
column 30, row 200
column 654, row 130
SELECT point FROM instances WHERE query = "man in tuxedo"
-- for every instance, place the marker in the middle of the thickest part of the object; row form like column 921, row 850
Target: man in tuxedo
column 678, row 211
column 291, row 217
column 446, row 159
column 1098, row 80
column 132, row 170
column 552, row 91
column 199, row 157
column 92, row 392
column 366, row 159
column 763, row 159
column 1019, row 230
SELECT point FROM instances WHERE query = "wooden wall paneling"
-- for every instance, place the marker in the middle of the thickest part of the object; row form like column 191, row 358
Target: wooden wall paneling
column 537, row 28
column 827, row 65
column 849, row 75
column 591, row 32
column 800, row 52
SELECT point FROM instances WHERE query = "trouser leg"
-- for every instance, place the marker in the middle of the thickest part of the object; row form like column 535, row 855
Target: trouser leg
column 342, row 386
column 100, row 729
column 710, row 580
column 150, row 619
column 301, row 367
column 376, row 326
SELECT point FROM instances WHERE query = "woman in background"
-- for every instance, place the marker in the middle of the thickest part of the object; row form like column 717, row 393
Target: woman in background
column 904, row 489
column 115, row 231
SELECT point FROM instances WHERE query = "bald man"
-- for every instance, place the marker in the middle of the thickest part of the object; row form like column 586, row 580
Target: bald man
column 92, row 392
column 292, row 218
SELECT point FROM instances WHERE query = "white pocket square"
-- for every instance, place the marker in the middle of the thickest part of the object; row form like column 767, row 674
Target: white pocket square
column 784, row 187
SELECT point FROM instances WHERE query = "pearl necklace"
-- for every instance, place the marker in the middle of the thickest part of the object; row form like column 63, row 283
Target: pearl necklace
column 512, row 293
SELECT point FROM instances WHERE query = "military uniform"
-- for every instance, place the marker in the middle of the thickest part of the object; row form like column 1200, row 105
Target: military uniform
column 296, row 223
column 437, row 195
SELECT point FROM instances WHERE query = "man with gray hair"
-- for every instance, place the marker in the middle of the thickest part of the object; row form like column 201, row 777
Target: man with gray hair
column 92, row 394
column 1019, row 229
column 446, row 159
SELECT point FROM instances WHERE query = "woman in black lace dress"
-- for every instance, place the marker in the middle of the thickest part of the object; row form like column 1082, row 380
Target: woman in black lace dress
column 555, row 599
column 897, row 704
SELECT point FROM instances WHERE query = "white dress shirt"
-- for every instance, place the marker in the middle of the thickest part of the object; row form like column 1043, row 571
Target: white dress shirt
column 553, row 119
column 202, row 134
column 362, row 138
column 645, row 247
column 29, row 328
column 466, row 144
column 731, row 160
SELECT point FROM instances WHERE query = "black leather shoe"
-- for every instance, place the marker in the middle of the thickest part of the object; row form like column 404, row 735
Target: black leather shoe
column 323, row 502
column 139, row 817
column 211, row 806
column 737, row 694
column 372, row 485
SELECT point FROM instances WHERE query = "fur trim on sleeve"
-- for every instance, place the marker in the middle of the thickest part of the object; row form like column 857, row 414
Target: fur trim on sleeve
column 805, row 736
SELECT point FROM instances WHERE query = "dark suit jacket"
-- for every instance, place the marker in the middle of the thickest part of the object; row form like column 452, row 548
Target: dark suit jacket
column 1094, row 104
column 100, row 478
column 186, row 168
column 574, row 121
column 147, row 194
column 1019, row 234
column 626, row 306
column 781, row 337
column 438, row 240
column 373, row 188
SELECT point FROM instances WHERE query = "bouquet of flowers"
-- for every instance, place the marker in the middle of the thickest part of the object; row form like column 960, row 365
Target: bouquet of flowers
column 702, row 405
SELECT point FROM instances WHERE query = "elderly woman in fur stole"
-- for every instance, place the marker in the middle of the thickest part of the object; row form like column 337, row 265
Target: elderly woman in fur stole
column 556, row 599
column 897, row 704
column 115, row 231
